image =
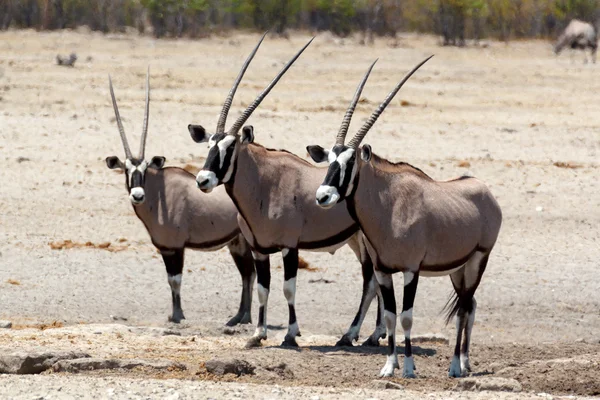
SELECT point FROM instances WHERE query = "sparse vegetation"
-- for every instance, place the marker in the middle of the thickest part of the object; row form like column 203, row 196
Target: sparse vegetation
column 455, row 20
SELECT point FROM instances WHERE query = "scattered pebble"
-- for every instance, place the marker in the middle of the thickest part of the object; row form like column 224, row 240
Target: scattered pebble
column 489, row 384
column 381, row 384
column 5, row 324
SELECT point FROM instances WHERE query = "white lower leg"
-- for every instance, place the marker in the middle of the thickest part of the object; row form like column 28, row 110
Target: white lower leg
column 392, row 359
column 409, row 363
column 263, row 299
column 175, row 283
column 289, row 291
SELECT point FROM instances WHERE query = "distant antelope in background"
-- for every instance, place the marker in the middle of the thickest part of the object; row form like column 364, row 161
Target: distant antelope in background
column 414, row 225
column 274, row 193
column 177, row 217
column 578, row 35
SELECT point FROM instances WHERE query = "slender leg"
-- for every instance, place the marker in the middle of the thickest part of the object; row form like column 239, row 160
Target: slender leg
column 379, row 332
column 411, row 280
column 461, row 320
column 386, row 284
column 465, row 284
column 263, row 278
column 594, row 49
column 465, row 365
column 290, row 267
column 368, row 293
column 242, row 257
column 174, row 262
column 370, row 288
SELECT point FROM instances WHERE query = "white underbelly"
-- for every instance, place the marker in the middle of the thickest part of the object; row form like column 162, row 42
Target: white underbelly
column 330, row 249
column 433, row 274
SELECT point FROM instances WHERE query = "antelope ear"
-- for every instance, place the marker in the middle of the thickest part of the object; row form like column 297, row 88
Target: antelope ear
column 113, row 162
column 198, row 133
column 366, row 153
column 157, row 162
column 317, row 153
column 248, row 134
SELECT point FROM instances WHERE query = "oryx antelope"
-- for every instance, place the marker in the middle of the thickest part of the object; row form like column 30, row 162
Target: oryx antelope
column 177, row 217
column 578, row 35
column 273, row 191
column 414, row 225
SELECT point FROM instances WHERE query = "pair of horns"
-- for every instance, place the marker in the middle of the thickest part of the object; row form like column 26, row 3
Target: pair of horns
column 248, row 112
column 120, row 123
column 360, row 135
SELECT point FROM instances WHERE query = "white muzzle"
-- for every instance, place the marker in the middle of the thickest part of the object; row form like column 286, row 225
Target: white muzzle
column 137, row 195
column 327, row 196
column 206, row 181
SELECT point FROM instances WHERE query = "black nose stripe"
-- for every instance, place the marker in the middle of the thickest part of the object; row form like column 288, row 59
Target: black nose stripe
column 137, row 179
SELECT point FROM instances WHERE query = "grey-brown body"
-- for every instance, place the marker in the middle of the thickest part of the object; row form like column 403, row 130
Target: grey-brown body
column 578, row 35
column 421, row 224
column 176, row 218
column 288, row 216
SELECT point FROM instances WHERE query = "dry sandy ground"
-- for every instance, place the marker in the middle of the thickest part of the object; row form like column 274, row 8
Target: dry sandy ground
column 514, row 116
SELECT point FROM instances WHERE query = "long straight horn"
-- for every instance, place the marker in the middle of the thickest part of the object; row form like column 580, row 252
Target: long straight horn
column 244, row 117
column 341, row 136
column 146, row 115
column 229, row 99
column 355, row 142
column 119, row 122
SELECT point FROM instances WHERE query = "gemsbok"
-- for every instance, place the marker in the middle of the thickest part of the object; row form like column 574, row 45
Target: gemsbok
column 578, row 35
column 176, row 217
column 414, row 225
column 273, row 191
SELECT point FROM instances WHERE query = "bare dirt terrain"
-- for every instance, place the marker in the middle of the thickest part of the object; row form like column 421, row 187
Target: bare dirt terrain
column 513, row 115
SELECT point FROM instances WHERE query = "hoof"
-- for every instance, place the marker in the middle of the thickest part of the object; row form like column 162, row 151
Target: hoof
column 254, row 341
column 289, row 342
column 240, row 318
column 409, row 375
column 454, row 371
column 386, row 372
column 371, row 342
column 345, row 341
column 176, row 317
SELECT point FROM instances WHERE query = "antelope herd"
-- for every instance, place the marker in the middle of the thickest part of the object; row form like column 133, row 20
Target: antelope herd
column 259, row 201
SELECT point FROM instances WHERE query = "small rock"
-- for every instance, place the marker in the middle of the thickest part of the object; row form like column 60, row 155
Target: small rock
column 381, row 384
column 90, row 364
column 117, row 318
column 21, row 159
column 489, row 384
column 34, row 362
column 5, row 324
column 230, row 366
column 430, row 338
column 539, row 209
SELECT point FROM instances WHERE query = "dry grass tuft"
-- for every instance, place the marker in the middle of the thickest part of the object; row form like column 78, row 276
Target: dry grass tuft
column 69, row 244
column 13, row 282
column 568, row 164
column 303, row 264
column 464, row 164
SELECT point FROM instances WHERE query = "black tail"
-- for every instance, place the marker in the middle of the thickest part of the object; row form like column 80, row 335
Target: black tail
column 452, row 306
column 456, row 303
